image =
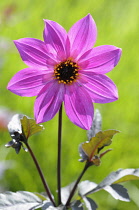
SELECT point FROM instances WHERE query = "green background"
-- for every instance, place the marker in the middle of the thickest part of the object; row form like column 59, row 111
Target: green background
column 117, row 23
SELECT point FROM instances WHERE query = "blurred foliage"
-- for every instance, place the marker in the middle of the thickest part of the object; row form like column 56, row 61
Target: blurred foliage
column 117, row 23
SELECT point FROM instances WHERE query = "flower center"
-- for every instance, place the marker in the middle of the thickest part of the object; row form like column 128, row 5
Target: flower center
column 66, row 72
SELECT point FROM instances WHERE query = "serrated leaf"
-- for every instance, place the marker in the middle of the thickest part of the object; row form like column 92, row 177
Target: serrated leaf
column 118, row 176
column 105, row 137
column 50, row 207
column 82, row 154
column 47, row 205
column 20, row 200
column 96, row 125
column 86, row 186
column 30, row 127
column 118, row 192
column 65, row 192
column 90, row 204
column 102, row 139
column 115, row 190
column 128, row 175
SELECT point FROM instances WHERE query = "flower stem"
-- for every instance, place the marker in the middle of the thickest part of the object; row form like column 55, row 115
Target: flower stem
column 40, row 173
column 59, row 155
column 77, row 182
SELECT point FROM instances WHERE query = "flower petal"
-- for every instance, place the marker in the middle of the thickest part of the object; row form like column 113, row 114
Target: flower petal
column 100, row 88
column 83, row 35
column 48, row 101
column 78, row 106
column 27, row 82
column 100, row 59
column 34, row 52
column 56, row 36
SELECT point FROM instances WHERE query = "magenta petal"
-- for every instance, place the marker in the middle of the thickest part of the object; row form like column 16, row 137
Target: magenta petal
column 100, row 88
column 78, row 106
column 100, row 59
column 32, row 52
column 83, row 35
column 56, row 36
column 27, row 82
column 48, row 101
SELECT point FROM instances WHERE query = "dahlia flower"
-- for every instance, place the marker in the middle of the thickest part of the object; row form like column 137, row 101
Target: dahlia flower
column 65, row 67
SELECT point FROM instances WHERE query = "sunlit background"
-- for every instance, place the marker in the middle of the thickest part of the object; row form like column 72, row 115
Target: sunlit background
column 117, row 23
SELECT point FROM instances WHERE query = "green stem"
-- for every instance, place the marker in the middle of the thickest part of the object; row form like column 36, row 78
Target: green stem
column 59, row 155
column 40, row 173
column 77, row 182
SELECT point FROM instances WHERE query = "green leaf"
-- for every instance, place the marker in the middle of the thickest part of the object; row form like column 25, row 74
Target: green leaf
column 30, row 127
column 105, row 137
column 101, row 139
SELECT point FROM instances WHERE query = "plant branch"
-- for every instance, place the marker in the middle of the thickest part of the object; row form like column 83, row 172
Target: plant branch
column 77, row 182
column 40, row 173
column 59, row 155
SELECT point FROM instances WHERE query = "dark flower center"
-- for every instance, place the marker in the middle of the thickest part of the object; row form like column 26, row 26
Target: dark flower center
column 66, row 72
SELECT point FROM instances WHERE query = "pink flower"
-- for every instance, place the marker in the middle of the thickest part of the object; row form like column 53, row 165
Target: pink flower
column 65, row 68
